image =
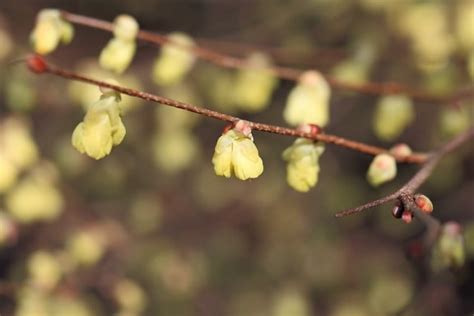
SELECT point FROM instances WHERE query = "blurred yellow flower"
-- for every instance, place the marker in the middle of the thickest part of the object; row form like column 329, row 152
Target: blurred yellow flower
column 303, row 164
column 392, row 115
column 253, row 87
column 174, row 61
column 50, row 30
column 308, row 102
column 119, row 51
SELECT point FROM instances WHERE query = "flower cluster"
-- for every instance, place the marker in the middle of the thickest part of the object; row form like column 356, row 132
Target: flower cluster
column 119, row 51
column 102, row 127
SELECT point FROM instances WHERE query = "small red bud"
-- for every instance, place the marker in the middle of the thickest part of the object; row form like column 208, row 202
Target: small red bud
column 407, row 216
column 311, row 129
column 36, row 64
column 424, row 203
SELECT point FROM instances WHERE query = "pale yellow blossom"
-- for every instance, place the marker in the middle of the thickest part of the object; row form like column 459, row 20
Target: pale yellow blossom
column 308, row 101
column 303, row 164
column 236, row 153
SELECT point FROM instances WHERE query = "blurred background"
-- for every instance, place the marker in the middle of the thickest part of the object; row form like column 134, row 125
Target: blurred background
column 151, row 230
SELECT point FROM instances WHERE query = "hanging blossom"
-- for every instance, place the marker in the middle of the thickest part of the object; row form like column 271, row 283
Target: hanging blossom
column 119, row 52
column 174, row 61
column 302, row 170
column 236, row 153
column 102, row 127
column 308, row 102
column 50, row 30
column 254, row 86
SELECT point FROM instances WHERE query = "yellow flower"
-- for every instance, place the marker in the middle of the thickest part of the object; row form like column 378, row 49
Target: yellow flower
column 17, row 144
column 303, row 164
column 236, row 153
column 175, row 61
column 35, row 197
column 382, row 169
column 308, row 102
column 44, row 269
column 392, row 115
column 119, row 51
column 50, row 30
column 101, row 128
column 253, row 87
column 117, row 55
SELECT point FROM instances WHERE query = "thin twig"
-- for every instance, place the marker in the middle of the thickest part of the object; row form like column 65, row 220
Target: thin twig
column 322, row 137
column 287, row 73
column 405, row 193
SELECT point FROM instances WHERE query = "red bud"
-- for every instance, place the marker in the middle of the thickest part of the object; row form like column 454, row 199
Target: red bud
column 36, row 64
column 407, row 216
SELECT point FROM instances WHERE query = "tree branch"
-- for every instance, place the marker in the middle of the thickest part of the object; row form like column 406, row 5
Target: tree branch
column 405, row 193
column 287, row 73
column 322, row 137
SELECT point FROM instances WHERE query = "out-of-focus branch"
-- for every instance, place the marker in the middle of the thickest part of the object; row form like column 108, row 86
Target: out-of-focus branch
column 38, row 65
column 287, row 73
column 406, row 192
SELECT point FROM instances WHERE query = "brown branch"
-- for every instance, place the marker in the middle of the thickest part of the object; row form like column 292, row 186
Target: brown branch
column 287, row 73
column 405, row 193
column 38, row 65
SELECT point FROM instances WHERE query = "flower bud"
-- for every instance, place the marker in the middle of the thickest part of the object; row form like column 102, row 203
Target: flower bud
column 254, row 86
column 397, row 210
column 175, row 60
column 308, row 102
column 407, row 216
column 401, row 150
column 36, row 64
column 424, row 203
column 50, row 30
column 382, row 169
column 236, row 153
column 303, row 164
column 392, row 115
